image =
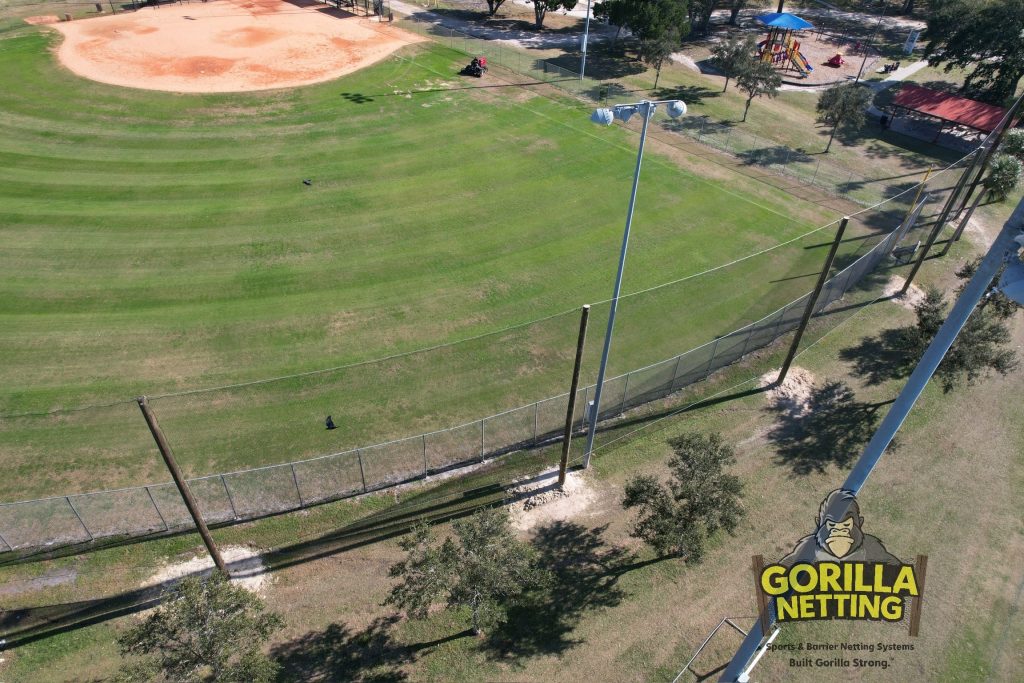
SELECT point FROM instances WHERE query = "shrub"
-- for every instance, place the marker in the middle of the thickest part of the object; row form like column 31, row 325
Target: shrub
column 1003, row 176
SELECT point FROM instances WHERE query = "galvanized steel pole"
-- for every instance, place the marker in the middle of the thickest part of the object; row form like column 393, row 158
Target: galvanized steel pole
column 645, row 109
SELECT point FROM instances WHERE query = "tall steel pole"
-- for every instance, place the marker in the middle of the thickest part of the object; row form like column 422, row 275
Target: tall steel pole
column 646, row 109
column 586, row 35
column 738, row 668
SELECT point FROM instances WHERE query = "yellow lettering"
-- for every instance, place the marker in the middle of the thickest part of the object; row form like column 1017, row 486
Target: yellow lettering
column 858, row 579
column 828, row 575
column 787, row 608
column 812, row 578
column 868, row 606
column 905, row 581
column 880, row 586
column 773, row 580
column 841, row 604
column 892, row 608
column 806, row 606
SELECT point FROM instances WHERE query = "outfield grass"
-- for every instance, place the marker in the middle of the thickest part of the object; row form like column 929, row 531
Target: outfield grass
column 630, row 618
column 155, row 242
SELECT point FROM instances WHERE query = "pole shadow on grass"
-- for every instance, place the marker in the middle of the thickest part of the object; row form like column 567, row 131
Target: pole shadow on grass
column 829, row 429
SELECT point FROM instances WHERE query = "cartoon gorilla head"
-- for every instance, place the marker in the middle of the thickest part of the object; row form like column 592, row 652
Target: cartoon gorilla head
column 839, row 524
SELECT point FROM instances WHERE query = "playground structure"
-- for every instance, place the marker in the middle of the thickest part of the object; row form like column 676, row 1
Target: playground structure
column 780, row 47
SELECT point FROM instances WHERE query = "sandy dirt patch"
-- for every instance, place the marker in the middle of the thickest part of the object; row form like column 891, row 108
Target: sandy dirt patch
column 537, row 501
column 43, row 19
column 914, row 296
column 226, row 46
column 244, row 564
column 792, row 396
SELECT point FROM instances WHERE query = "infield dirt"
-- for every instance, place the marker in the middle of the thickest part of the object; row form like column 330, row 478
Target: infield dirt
column 226, row 46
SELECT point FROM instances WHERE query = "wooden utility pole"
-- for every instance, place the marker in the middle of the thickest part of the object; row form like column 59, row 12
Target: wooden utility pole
column 573, row 388
column 813, row 300
column 179, row 481
column 934, row 234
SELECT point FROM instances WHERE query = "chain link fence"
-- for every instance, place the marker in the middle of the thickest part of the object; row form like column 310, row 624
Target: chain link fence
column 751, row 149
column 245, row 424
column 252, row 493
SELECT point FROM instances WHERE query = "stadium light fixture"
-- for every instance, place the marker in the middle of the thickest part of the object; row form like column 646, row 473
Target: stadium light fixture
column 605, row 117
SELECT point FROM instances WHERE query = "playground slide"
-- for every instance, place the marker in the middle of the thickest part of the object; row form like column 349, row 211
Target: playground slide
column 806, row 65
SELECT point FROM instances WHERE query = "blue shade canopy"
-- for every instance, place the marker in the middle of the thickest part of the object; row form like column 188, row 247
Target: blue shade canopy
column 784, row 20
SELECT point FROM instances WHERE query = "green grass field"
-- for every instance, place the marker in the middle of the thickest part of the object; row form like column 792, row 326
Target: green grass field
column 155, row 242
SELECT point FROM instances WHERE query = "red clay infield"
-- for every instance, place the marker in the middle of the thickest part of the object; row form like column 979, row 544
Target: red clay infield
column 226, row 46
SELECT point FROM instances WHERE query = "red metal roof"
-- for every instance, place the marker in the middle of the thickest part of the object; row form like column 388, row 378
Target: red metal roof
column 960, row 110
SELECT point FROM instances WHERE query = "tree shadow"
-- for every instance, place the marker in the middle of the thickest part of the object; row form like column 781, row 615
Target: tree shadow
column 601, row 65
column 585, row 573
column 880, row 358
column 778, row 155
column 338, row 653
column 691, row 94
column 829, row 429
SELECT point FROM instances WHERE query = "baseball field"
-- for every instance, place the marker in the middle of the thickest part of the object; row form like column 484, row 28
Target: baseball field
column 159, row 242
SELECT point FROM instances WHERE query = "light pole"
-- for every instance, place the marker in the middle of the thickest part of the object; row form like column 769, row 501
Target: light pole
column 885, row 8
column 586, row 34
column 623, row 112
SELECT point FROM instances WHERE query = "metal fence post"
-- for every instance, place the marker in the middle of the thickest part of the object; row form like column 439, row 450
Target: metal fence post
column 231, row 501
column 424, row 456
column 362, row 475
column 482, row 440
column 711, row 360
column 157, row 508
column 625, row 392
column 815, row 175
column 72, row 506
column 298, row 491
column 675, row 372
column 536, row 421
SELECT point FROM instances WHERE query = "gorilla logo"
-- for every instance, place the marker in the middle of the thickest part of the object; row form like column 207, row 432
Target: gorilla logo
column 839, row 536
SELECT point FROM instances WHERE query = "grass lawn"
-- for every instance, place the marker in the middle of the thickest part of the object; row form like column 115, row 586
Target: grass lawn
column 154, row 242
column 617, row 614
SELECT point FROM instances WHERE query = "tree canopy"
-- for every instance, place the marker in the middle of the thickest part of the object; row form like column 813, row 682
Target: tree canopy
column 656, row 50
column 733, row 56
column 979, row 348
column 484, row 568
column 981, row 35
column 843, row 105
column 206, row 630
column 649, row 20
column 759, row 79
column 700, row 498
column 542, row 7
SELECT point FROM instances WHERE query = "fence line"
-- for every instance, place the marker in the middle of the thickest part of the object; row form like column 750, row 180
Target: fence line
column 748, row 147
column 230, row 497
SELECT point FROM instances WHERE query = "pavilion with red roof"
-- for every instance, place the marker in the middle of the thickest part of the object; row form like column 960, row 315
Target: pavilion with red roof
column 948, row 109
